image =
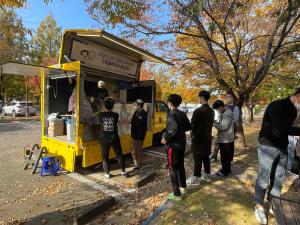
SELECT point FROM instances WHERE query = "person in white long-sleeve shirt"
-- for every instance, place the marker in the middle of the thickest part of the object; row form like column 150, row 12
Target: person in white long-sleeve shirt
column 236, row 117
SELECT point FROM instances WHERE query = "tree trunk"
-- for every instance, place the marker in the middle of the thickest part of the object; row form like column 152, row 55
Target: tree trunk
column 251, row 114
column 240, row 141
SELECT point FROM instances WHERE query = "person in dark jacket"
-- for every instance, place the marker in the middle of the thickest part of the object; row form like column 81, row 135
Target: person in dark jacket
column 202, row 123
column 175, row 140
column 272, row 150
column 109, row 137
column 138, row 132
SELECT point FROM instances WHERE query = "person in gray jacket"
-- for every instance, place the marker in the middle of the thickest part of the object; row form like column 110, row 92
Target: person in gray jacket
column 225, row 138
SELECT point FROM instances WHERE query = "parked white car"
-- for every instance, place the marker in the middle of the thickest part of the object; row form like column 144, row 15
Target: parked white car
column 16, row 108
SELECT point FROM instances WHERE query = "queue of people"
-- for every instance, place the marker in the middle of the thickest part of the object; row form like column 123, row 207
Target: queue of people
column 278, row 127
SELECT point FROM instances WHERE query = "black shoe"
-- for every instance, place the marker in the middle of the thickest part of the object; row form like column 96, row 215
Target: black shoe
column 137, row 167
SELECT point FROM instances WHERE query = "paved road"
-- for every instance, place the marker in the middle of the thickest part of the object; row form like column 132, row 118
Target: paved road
column 36, row 198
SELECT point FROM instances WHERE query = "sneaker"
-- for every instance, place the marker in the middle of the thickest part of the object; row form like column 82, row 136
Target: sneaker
column 183, row 190
column 260, row 215
column 193, row 180
column 213, row 158
column 292, row 173
column 271, row 210
column 107, row 175
column 221, row 174
column 172, row 197
column 124, row 174
column 206, row 177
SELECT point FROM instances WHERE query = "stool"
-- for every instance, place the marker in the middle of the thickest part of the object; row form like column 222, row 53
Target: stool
column 50, row 165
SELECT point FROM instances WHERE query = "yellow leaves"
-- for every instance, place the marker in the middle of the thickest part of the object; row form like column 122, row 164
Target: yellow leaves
column 12, row 3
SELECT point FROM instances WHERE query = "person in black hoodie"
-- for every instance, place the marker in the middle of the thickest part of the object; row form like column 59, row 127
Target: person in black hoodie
column 175, row 140
column 138, row 132
column 272, row 150
column 202, row 123
column 109, row 137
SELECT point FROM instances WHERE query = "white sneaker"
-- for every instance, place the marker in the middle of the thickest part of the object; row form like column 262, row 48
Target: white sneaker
column 271, row 210
column 107, row 175
column 206, row 177
column 124, row 174
column 260, row 215
column 193, row 180
column 183, row 190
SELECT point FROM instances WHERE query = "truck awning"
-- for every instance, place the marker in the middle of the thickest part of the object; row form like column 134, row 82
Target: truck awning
column 110, row 41
column 31, row 70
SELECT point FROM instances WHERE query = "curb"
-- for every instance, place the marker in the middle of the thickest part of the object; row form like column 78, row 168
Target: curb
column 99, row 208
column 162, row 207
column 145, row 179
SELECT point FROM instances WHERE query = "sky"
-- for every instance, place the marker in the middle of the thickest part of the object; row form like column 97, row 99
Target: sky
column 67, row 13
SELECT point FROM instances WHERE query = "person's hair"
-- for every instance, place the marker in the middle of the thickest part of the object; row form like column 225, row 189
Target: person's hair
column 109, row 103
column 140, row 102
column 297, row 91
column 175, row 99
column 204, row 94
column 218, row 104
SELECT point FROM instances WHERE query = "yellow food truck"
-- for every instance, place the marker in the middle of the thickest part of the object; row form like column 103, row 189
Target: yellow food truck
column 87, row 57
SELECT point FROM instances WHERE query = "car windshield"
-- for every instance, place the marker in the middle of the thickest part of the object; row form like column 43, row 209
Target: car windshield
column 24, row 104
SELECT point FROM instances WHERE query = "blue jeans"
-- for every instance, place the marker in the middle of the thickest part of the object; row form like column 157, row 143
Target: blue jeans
column 291, row 151
column 272, row 165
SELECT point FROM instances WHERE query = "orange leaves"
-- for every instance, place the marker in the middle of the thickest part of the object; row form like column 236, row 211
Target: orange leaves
column 12, row 3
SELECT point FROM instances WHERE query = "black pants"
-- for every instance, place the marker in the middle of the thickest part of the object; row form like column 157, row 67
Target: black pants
column 176, row 169
column 226, row 151
column 198, row 160
column 105, row 145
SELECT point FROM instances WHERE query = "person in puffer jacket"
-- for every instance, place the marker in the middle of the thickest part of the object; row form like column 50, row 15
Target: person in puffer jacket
column 175, row 140
column 225, row 138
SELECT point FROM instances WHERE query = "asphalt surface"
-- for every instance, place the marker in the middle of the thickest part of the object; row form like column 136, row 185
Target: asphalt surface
column 31, row 198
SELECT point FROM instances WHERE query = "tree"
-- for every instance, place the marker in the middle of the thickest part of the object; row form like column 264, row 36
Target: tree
column 46, row 42
column 15, row 3
column 234, row 43
column 170, row 84
column 241, row 39
column 11, row 3
column 13, row 47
